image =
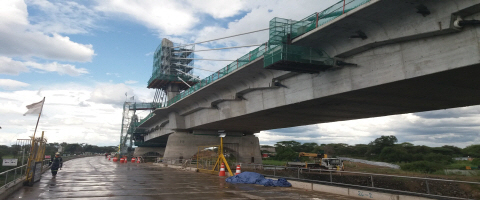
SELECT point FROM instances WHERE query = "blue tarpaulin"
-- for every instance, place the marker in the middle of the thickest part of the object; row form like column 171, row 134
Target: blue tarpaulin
column 256, row 178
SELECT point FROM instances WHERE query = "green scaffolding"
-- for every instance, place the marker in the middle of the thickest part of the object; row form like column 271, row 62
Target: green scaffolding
column 168, row 60
column 282, row 55
column 294, row 57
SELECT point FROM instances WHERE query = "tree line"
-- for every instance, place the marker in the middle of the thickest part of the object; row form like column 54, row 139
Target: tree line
column 385, row 149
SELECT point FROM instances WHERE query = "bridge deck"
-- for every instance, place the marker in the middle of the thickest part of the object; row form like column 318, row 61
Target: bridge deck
column 95, row 177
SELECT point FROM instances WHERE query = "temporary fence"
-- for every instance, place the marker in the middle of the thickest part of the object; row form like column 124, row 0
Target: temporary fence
column 421, row 186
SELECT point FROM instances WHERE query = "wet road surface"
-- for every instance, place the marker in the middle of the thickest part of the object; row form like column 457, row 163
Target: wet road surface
column 97, row 178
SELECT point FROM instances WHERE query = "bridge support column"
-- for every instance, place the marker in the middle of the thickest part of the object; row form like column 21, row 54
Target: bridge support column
column 183, row 145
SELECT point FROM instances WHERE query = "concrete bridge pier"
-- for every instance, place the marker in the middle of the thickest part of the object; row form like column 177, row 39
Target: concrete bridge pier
column 184, row 145
column 141, row 151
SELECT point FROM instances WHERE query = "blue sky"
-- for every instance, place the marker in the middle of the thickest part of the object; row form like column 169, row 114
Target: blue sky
column 83, row 56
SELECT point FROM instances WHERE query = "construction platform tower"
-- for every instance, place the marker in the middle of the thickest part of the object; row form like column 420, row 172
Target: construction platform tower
column 172, row 70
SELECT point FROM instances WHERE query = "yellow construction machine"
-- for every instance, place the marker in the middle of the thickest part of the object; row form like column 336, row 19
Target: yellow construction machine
column 320, row 160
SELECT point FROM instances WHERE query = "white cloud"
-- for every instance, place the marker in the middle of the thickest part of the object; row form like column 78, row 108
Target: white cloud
column 10, row 84
column 110, row 93
column 131, row 82
column 457, row 126
column 61, row 17
column 112, row 74
column 19, row 38
column 13, row 67
column 169, row 17
column 59, row 68
column 218, row 9
column 64, row 118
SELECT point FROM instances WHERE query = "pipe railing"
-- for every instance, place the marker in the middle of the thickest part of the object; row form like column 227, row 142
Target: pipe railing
column 342, row 178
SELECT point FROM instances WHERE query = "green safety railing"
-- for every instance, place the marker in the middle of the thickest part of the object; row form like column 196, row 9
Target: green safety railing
column 146, row 118
column 320, row 18
column 297, row 54
column 245, row 59
column 295, row 28
column 136, row 106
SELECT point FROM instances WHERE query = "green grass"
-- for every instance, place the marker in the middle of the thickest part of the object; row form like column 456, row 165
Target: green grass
column 9, row 157
column 459, row 164
column 274, row 162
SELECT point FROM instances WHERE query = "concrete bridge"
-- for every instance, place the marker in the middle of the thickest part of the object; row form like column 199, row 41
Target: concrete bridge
column 389, row 57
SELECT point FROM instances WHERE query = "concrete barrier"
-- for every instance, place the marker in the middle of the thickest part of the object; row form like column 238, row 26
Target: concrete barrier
column 160, row 164
column 301, row 185
column 365, row 194
column 4, row 193
column 405, row 197
column 176, row 167
column 330, row 189
column 191, row 169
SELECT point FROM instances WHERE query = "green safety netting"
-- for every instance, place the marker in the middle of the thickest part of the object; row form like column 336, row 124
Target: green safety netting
column 166, row 64
column 277, row 49
column 298, row 54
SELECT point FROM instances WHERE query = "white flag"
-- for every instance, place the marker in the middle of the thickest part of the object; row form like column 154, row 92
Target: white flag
column 34, row 108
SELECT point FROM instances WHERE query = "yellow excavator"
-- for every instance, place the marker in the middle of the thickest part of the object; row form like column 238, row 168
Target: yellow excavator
column 320, row 160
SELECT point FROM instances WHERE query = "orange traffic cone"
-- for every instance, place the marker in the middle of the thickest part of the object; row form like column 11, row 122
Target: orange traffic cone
column 138, row 160
column 133, row 159
column 115, row 159
column 109, row 157
column 238, row 170
column 222, row 170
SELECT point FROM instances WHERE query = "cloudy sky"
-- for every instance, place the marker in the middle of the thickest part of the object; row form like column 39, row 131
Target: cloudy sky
column 83, row 56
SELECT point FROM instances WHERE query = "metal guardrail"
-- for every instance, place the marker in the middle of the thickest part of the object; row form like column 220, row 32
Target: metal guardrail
column 369, row 180
column 13, row 176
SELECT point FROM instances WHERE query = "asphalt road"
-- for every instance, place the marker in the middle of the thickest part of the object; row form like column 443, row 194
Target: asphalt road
column 97, row 178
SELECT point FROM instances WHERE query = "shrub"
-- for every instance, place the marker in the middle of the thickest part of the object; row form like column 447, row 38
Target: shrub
column 422, row 166
column 438, row 158
column 476, row 162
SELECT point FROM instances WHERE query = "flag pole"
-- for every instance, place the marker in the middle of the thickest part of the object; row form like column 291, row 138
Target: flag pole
column 39, row 114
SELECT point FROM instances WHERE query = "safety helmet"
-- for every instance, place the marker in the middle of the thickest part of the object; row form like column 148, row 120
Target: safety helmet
column 57, row 153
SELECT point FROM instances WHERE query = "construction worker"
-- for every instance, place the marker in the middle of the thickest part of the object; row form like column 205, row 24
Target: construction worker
column 56, row 163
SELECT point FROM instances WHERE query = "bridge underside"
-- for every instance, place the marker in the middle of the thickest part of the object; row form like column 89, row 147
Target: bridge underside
column 449, row 89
